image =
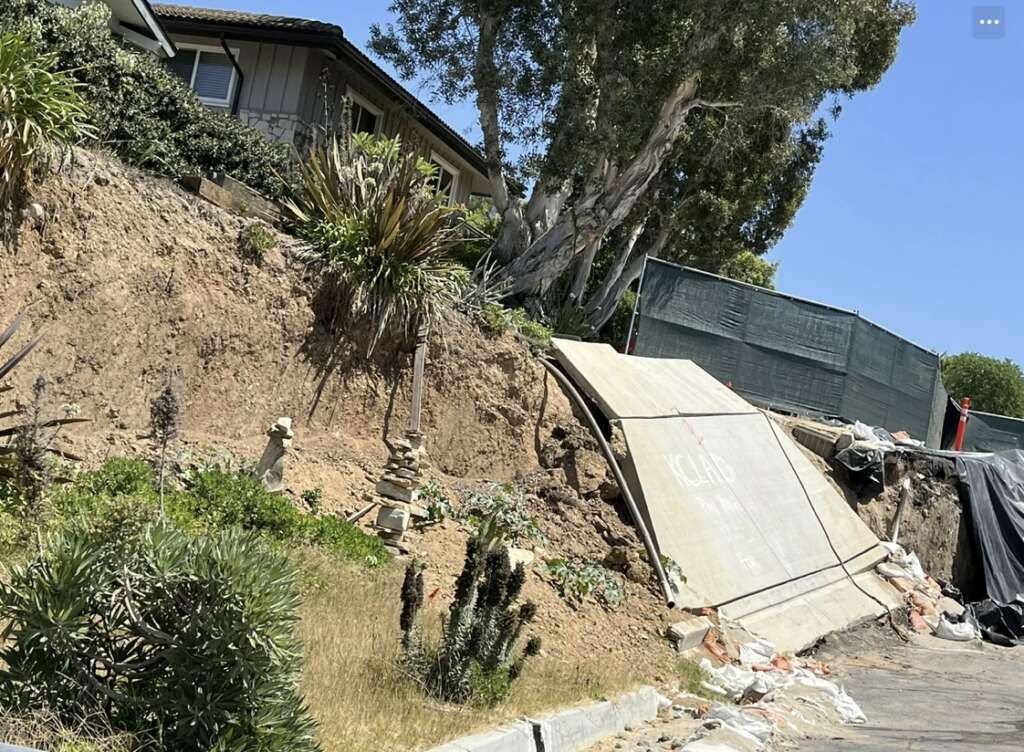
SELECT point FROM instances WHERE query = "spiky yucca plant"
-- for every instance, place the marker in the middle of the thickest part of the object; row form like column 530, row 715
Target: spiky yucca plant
column 40, row 108
column 377, row 232
column 8, row 461
column 476, row 660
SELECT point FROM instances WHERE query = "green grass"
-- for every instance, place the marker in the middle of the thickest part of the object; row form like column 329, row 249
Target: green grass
column 691, row 676
column 124, row 490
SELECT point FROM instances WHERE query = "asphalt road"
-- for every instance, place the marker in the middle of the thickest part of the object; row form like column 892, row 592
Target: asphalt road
column 932, row 695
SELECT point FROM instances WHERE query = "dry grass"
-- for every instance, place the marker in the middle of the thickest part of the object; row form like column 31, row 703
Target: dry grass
column 364, row 703
column 46, row 732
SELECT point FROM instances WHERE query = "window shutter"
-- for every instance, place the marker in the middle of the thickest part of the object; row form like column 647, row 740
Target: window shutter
column 213, row 76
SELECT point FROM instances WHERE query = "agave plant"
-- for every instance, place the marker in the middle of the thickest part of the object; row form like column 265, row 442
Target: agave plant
column 23, row 435
column 376, row 230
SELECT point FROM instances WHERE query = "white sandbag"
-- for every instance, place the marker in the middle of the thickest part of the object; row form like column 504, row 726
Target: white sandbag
column 746, row 725
column 913, row 565
column 848, row 709
column 733, row 681
column 758, row 652
column 963, row 631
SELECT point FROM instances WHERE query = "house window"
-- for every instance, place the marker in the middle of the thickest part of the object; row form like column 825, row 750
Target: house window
column 366, row 118
column 208, row 70
column 447, row 180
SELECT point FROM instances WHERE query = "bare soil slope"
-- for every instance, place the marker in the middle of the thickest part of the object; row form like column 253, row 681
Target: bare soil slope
column 130, row 278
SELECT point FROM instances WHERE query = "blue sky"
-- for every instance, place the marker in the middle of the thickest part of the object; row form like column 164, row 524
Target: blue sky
column 914, row 215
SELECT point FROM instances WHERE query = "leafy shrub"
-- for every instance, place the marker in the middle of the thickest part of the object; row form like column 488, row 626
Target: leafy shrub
column 497, row 319
column 577, row 580
column 500, row 515
column 480, row 224
column 254, row 241
column 476, row 659
column 313, row 499
column 138, row 107
column 187, row 643
column 40, row 108
column 377, row 234
column 437, row 503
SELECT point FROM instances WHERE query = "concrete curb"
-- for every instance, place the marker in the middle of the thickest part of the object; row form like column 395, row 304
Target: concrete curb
column 567, row 730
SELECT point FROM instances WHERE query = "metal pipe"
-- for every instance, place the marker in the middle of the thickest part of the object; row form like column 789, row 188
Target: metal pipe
column 237, row 95
column 419, row 362
column 645, row 536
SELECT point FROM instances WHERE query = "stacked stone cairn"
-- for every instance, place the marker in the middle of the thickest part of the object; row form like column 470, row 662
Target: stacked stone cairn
column 399, row 486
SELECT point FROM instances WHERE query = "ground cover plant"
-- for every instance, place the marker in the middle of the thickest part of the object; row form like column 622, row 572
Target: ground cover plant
column 578, row 580
column 215, row 499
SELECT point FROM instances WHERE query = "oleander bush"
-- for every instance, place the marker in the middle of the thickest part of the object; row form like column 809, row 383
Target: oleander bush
column 184, row 642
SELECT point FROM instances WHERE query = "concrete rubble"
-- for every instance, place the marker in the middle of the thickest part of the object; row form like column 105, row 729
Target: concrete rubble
column 399, row 487
column 270, row 469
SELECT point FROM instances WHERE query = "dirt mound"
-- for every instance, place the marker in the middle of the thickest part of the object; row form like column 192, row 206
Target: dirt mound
column 130, row 278
column 933, row 524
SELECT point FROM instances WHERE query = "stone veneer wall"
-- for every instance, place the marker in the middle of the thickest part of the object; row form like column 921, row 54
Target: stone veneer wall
column 280, row 127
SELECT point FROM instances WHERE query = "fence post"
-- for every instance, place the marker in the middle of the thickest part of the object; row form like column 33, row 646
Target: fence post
column 961, row 429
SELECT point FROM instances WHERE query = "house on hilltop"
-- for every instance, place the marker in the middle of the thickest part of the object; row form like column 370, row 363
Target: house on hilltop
column 286, row 76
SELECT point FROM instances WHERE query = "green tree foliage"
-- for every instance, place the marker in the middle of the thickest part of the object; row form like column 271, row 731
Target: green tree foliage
column 994, row 386
column 476, row 660
column 746, row 267
column 186, row 643
column 139, row 108
column 40, row 109
column 378, row 235
column 684, row 128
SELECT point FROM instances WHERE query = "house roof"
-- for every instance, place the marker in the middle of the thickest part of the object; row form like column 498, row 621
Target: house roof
column 241, row 25
column 138, row 16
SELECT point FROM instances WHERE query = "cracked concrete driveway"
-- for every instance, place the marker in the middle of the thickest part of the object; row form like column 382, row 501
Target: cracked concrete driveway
column 929, row 695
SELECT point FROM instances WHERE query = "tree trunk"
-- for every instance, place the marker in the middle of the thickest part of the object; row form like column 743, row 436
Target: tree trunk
column 600, row 315
column 599, row 211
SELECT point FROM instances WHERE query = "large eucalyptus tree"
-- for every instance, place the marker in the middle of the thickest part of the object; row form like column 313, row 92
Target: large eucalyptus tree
column 641, row 125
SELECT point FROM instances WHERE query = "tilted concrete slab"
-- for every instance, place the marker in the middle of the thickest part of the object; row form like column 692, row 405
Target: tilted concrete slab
column 630, row 387
column 726, row 505
column 756, row 529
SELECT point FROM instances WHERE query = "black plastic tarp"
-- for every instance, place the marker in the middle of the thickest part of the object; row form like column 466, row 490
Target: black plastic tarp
column 992, row 486
column 784, row 352
column 986, row 432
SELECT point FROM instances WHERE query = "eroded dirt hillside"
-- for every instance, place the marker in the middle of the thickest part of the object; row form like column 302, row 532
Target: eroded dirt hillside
column 130, row 278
